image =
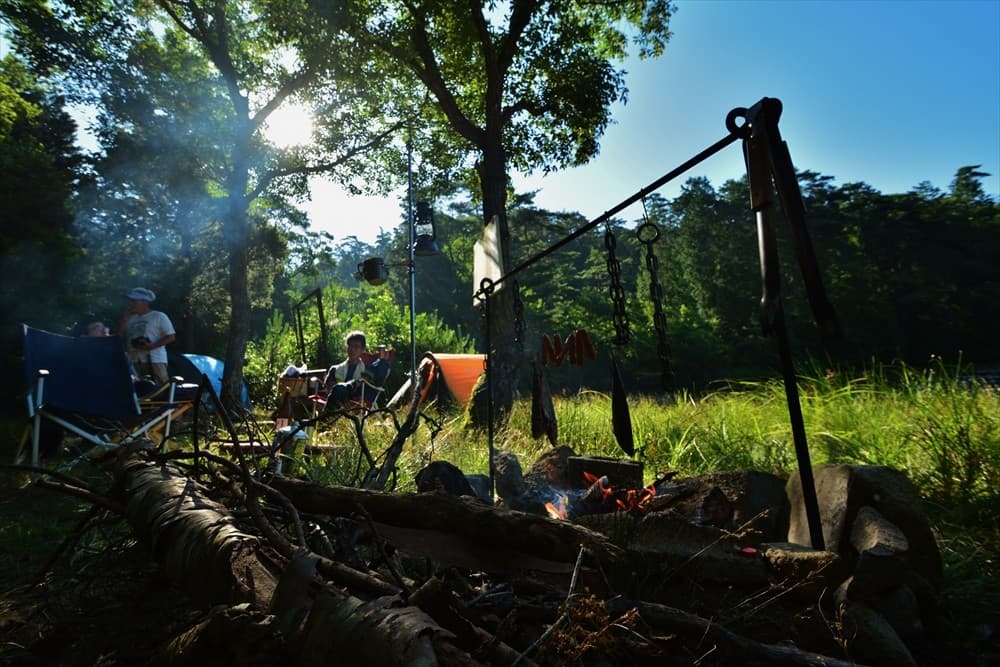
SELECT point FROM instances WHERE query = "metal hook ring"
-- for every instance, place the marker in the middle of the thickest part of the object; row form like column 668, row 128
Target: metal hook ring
column 742, row 131
column 647, row 233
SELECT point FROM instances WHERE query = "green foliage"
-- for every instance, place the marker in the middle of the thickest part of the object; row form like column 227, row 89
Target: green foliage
column 955, row 430
column 370, row 309
column 904, row 271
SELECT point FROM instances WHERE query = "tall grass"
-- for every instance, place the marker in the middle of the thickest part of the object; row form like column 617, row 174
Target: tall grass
column 932, row 424
column 939, row 429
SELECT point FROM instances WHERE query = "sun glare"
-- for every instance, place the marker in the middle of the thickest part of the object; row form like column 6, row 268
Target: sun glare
column 291, row 125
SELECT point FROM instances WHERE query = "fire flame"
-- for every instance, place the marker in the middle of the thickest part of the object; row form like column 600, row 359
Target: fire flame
column 630, row 500
column 613, row 500
column 558, row 510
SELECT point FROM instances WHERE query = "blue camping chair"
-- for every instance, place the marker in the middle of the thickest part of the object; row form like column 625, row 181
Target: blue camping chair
column 85, row 386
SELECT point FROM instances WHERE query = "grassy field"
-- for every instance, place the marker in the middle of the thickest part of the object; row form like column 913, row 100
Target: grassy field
column 941, row 431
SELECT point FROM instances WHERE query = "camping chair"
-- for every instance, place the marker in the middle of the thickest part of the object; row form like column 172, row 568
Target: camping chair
column 366, row 393
column 84, row 386
column 362, row 402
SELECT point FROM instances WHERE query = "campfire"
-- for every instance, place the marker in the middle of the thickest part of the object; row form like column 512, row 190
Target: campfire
column 600, row 497
column 709, row 570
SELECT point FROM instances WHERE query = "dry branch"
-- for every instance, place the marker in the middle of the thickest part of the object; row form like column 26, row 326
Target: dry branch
column 747, row 651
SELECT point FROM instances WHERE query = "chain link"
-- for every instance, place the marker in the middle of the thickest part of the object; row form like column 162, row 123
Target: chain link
column 619, row 316
column 647, row 234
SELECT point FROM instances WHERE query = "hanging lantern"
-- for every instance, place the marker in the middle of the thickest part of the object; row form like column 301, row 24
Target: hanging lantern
column 425, row 242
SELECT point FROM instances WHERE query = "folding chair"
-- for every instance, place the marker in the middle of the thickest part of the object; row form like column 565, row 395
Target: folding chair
column 362, row 402
column 84, row 386
column 367, row 390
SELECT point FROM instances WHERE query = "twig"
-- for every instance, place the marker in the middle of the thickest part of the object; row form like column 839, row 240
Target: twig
column 562, row 617
column 84, row 494
column 81, row 528
column 380, row 543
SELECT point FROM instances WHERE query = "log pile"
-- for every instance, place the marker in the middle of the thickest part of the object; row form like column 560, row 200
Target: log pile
column 708, row 574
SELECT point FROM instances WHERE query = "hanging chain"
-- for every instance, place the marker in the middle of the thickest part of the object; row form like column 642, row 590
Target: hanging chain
column 486, row 288
column 619, row 316
column 518, row 316
column 648, row 233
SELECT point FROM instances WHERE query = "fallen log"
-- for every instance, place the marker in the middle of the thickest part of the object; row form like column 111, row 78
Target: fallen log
column 483, row 528
column 324, row 624
column 193, row 537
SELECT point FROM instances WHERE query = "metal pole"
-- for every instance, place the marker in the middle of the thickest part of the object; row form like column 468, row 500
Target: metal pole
column 412, row 267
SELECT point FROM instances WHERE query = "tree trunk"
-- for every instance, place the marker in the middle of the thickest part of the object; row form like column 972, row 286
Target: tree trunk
column 237, row 236
column 505, row 352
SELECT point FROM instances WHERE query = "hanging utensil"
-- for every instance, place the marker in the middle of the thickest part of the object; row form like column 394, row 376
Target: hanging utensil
column 543, row 412
column 621, row 420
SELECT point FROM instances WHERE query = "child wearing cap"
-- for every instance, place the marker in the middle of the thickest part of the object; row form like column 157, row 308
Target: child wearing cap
column 146, row 333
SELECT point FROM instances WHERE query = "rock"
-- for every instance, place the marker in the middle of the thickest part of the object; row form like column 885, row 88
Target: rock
column 900, row 608
column 873, row 532
column 481, row 486
column 843, row 490
column 445, row 477
column 870, row 638
column 810, row 571
column 757, row 499
column 881, row 548
column 509, row 476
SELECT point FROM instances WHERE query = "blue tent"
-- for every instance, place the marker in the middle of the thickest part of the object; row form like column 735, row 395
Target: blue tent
column 191, row 366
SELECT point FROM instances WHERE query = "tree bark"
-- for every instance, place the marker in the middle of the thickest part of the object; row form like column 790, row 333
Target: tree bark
column 194, row 538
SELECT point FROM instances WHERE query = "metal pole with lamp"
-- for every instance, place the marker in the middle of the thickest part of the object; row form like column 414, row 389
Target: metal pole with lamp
column 422, row 242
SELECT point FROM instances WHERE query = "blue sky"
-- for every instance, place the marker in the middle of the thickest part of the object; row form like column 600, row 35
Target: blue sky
column 888, row 92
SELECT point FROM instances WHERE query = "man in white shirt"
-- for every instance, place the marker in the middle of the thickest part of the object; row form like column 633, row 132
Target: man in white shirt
column 146, row 332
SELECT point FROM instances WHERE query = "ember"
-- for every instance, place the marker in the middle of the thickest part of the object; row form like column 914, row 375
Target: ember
column 600, row 498
column 558, row 510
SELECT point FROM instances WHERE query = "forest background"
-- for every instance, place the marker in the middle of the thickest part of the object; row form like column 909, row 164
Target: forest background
column 911, row 275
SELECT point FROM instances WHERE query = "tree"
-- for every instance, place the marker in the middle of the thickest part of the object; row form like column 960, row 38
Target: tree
column 524, row 85
column 257, row 56
column 39, row 170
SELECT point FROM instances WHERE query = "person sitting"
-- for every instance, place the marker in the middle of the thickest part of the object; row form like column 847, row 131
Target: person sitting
column 359, row 378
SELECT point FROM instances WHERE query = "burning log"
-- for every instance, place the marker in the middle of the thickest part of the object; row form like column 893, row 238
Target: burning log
column 479, row 527
column 619, row 472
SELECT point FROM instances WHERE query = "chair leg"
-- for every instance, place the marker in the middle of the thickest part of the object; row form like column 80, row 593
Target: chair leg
column 19, row 456
column 36, row 430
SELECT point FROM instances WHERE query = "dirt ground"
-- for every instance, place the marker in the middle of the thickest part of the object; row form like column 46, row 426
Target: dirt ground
column 99, row 605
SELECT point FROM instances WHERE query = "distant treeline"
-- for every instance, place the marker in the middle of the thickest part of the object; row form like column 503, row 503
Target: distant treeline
column 912, row 276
